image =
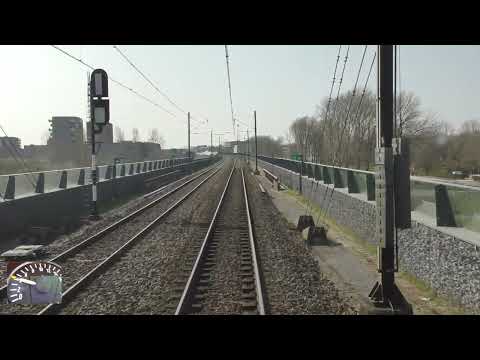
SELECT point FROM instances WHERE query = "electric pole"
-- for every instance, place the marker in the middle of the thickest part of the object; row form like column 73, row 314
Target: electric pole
column 189, row 155
column 256, row 152
column 211, row 142
column 238, row 143
column 248, row 148
column 385, row 294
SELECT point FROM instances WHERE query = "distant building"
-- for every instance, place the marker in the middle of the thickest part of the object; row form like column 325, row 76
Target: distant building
column 128, row 151
column 66, row 130
column 105, row 137
column 9, row 145
column 66, row 143
column 37, row 152
column 201, row 148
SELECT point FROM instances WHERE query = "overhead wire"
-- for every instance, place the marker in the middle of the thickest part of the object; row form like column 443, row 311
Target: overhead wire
column 310, row 203
column 335, row 161
column 230, row 88
column 334, row 112
column 340, row 83
column 364, row 89
column 153, row 84
column 116, row 82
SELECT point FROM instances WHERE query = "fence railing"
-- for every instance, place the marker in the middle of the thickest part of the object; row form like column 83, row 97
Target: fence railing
column 13, row 186
column 450, row 204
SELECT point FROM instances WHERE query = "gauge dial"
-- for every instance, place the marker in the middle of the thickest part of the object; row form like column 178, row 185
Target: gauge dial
column 35, row 282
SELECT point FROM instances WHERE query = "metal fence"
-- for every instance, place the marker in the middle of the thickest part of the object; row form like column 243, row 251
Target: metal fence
column 14, row 186
column 450, row 204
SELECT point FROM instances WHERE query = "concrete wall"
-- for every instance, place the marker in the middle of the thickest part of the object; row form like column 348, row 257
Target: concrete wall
column 448, row 263
column 60, row 207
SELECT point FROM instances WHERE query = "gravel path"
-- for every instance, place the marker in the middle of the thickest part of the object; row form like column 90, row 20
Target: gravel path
column 292, row 282
column 87, row 258
column 143, row 280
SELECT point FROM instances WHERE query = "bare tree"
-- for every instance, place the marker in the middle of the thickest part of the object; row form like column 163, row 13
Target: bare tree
column 411, row 120
column 155, row 137
column 45, row 137
column 471, row 126
column 135, row 135
column 119, row 135
column 268, row 146
column 301, row 132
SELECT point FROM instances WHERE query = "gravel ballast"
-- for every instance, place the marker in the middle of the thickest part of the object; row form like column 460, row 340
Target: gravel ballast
column 292, row 281
column 143, row 280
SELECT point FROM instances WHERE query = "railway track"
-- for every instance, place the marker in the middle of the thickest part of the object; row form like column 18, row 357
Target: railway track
column 225, row 278
column 86, row 259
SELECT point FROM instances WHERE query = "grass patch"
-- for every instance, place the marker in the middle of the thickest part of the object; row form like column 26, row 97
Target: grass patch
column 316, row 212
column 437, row 301
column 419, row 284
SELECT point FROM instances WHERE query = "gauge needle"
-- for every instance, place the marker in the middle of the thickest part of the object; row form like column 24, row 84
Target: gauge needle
column 29, row 282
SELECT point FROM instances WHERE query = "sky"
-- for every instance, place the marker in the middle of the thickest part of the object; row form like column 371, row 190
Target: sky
column 280, row 82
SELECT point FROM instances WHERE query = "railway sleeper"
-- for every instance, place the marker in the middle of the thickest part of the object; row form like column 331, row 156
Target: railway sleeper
column 249, row 296
column 249, row 305
column 247, row 288
column 174, row 298
column 197, row 307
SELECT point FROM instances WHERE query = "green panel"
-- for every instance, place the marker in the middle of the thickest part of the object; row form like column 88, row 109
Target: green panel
column 422, row 196
column 465, row 205
column 327, row 177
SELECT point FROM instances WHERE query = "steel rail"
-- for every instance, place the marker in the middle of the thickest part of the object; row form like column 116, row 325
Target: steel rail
column 69, row 294
column 256, row 267
column 99, row 235
column 195, row 273
column 189, row 290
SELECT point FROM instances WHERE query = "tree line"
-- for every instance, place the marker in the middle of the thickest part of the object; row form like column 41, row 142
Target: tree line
column 342, row 132
column 153, row 136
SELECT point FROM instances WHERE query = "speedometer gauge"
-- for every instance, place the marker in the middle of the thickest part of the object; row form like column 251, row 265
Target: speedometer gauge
column 35, row 282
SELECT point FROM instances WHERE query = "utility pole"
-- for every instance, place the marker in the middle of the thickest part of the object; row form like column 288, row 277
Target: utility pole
column 248, row 148
column 256, row 152
column 189, row 155
column 244, row 145
column 385, row 295
column 211, row 142
column 238, row 143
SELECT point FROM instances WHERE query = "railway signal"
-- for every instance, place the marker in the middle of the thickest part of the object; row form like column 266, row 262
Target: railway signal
column 99, row 117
